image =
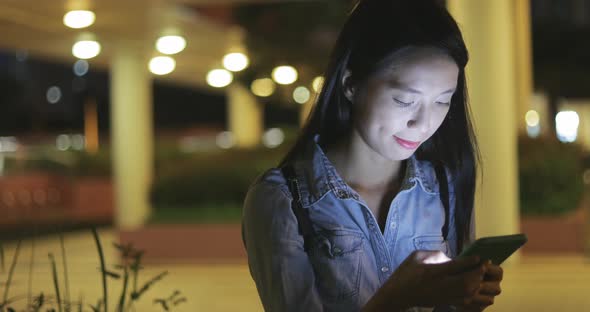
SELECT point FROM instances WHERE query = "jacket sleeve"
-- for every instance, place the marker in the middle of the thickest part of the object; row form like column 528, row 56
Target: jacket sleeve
column 277, row 261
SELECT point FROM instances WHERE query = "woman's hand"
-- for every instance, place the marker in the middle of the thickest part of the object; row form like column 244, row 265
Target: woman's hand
column 489, row 289
column 422, row 280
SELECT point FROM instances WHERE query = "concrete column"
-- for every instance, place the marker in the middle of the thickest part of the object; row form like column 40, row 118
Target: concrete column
column 305, row 110
column 488, row 28
column 245, row 116
column 131, row 135
column 523, row 61
column 91, row 125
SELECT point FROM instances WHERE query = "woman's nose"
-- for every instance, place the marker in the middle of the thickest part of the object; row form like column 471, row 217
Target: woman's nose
column 420, row 120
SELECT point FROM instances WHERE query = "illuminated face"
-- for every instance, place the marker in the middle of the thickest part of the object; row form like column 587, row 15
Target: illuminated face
column 402, row 106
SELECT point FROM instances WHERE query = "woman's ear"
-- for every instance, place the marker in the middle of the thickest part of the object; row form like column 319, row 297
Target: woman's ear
column 347, row 86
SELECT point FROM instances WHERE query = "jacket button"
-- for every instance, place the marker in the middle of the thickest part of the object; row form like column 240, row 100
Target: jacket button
column 384, row 269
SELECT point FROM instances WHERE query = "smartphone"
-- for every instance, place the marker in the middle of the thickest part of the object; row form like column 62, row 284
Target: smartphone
column 495, row 248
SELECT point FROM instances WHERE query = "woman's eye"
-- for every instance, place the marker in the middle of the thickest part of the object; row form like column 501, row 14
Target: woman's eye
column 402, row 103
column 444, row 103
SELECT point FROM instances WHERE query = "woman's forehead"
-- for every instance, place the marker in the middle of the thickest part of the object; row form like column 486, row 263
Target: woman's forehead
column 432, row 70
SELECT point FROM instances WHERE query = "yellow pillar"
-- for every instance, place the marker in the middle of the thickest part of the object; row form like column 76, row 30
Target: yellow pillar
column 244, row 116
column 131, row 136
column 91, row 125
column 523, row 57
column 305, row 111
column 488, row 29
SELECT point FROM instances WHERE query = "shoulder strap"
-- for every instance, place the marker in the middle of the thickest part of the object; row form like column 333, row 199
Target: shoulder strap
column 302, row 215
column 441, row 176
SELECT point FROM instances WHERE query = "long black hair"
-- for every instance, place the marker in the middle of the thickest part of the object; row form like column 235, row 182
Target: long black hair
column 373, row 32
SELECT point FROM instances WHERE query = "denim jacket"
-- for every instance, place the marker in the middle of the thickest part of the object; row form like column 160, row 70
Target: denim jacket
column 353, row 258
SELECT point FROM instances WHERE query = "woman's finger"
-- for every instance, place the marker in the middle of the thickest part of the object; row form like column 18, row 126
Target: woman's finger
column 480, row 301
column 464, row 285
column 494, row 273
column 490, row 288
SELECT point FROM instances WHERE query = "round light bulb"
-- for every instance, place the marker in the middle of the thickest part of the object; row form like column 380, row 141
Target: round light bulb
column 86, row 49
column 284, row 75
column 170, row 44
column 263, row 87
column 162, row 65
column 235, row 61
column 301, row 95
column 219, row 78
column 79, row 19
column 317, row 83
column 532, row 118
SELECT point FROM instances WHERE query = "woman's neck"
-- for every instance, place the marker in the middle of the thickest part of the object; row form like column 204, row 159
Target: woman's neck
column 362, row 168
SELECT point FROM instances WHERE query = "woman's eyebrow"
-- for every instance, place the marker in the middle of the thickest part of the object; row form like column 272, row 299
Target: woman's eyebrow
column 412, row 90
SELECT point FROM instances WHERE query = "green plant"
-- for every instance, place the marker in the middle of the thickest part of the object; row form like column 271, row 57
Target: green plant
column 87, row 164
column 550, row 176
column 130, row 294
column 211, row 185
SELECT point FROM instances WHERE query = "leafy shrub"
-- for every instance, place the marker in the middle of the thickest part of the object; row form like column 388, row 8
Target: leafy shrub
column 219, row 178
column 550, row 175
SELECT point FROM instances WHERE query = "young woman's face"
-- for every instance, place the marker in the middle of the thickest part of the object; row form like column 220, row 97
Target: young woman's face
column 401, row 107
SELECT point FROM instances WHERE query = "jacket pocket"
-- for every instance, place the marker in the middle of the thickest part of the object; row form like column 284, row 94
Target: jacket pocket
column 336, row 258
column 431, row 242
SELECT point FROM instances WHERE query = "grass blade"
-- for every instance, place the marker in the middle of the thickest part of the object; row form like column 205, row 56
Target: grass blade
column 10, row 272
column 124, row 291
column 102, row 267
column 2, row 257
column 55, row 281
column 31, row 264
column 65, row 265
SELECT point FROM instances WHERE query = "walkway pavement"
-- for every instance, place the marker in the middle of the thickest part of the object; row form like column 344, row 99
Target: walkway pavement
column 539, row 283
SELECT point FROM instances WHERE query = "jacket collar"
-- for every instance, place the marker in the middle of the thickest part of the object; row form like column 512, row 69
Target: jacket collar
column 317, row 176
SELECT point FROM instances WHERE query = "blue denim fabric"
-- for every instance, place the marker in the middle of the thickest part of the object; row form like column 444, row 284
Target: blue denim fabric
column 351, row 258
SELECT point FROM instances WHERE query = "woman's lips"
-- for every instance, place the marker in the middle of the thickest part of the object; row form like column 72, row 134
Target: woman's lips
column 406, row 144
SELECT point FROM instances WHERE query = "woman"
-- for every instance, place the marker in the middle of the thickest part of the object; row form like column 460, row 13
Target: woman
column 376, row 196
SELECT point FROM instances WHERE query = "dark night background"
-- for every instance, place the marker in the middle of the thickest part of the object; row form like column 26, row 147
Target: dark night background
column 559, row 29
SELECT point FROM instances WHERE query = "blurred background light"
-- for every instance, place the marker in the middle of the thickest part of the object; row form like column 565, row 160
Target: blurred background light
column 81, row 68
column 8, row 144
column 63, row 142
column 170, row 44
column 79, row 19
column 284, row 75
column 263, row 87
column 532, row 118
column 273, row 137
column 86, row 49
column 533, row 131
column 53, row 94
column 225, row 140
column 78, row 142
column 162, row 65
column 533, row 126
column 235, row 61
column 301, row 95
column 566, row 126
column 317, row 83
column 219, row 78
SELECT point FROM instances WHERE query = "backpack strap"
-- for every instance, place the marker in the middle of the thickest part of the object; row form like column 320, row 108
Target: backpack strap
column 441, row 176
column 302, row 215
